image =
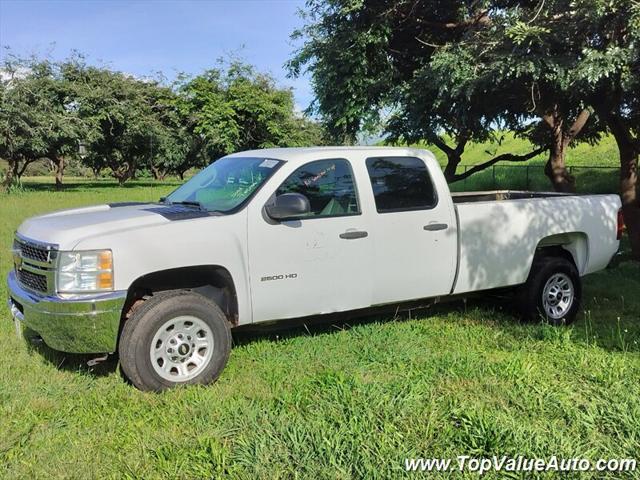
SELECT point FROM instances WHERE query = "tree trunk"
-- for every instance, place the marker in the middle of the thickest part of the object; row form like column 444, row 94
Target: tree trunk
column 630, row 202
column 628, row 182
column 556, row 169
column 122, row 172
column 121, row 179
column 454, row 155
column 59, row 164
column 158, row 174
column 453, row 160
column 12, row 174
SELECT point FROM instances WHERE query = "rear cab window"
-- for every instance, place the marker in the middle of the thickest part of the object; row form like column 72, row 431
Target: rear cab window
column 401, row 184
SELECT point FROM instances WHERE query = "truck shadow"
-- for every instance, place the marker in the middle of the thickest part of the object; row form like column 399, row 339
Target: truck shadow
column 71, row 362
column 499, row 305
column 502, row 315
column 97, row 365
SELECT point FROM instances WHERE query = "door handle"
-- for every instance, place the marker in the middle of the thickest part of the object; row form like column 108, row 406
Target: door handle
column 434, row 227
column 353, row 234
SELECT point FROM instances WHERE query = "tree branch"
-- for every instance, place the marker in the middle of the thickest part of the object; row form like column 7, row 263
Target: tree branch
column 505, row 157
column 462, row 143
column 577, row 126
column 480, row 18
column 432, row 45
column 438, row 142
column 22, row 169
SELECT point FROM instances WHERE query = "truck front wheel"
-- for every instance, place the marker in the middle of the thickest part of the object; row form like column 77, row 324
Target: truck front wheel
column 552, row 292
column 174, row 338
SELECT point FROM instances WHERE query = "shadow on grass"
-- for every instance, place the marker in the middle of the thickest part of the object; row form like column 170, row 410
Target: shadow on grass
column 605, row 334
column 71, row 362
column 498, row 304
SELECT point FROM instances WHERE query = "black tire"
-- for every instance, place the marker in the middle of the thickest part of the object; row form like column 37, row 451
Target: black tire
column 530, row 296
column 145, row 323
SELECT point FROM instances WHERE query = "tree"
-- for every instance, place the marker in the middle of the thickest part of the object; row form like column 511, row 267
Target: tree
column 38, row 117
column 528, row 50
column 119, row 112
column 587, row 52
column 236, row 108
column 610, row 68
column 450, row 102
column 416, row 64
column 169, row 141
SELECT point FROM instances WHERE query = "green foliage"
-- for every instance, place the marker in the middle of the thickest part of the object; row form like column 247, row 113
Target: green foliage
column 524, row 33
column 403, row 58
column 38, row 114
column 130, row 126
column 453, row 72
column 118, row 111
column 238, row 108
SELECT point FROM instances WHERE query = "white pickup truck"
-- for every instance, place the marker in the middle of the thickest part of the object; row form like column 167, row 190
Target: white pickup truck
column 272, row 234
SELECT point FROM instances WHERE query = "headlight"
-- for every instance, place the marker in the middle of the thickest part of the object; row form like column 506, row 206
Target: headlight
column 85, row 271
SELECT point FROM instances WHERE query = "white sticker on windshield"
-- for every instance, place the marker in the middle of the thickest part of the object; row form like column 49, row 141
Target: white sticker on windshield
column 268, row 163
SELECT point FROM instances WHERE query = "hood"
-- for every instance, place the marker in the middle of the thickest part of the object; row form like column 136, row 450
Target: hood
column 67, row 228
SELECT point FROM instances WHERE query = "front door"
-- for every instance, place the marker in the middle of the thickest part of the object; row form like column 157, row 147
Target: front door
column 318, row 263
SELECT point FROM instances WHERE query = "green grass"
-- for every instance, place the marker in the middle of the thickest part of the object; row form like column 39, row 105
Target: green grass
column 344, row 401
column 604, row 154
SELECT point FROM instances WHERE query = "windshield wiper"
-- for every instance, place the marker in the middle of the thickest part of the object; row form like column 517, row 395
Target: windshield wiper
column 188, row 203
column 192, row 203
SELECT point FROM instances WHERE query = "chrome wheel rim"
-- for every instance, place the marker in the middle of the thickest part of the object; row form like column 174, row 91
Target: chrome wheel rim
column 558, row 295
column 181, row 348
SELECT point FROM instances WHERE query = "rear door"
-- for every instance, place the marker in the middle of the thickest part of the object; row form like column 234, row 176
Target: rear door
column 319, row 263
column 414, row 231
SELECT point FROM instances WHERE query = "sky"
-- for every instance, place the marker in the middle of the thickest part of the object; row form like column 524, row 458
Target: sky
column 142, row 37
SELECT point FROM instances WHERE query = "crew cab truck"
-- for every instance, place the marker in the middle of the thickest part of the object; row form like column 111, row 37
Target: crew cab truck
column 264, row 235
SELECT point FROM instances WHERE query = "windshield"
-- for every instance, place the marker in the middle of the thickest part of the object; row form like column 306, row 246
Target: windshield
column 225, row 184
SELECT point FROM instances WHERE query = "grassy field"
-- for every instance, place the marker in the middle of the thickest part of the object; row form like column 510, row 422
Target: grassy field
column 336, row 401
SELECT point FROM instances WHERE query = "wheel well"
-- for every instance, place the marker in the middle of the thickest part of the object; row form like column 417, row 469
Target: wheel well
column 554, row 251
column 211, row 281
column 572, row 246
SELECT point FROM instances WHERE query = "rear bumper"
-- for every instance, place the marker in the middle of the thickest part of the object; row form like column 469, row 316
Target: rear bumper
column 82, row 324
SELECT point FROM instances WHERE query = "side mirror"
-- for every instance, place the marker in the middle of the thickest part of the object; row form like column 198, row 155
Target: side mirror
column 289, row 206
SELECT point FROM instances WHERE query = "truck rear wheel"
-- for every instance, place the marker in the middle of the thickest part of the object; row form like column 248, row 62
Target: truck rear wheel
column 552, row 292
column 174, row 338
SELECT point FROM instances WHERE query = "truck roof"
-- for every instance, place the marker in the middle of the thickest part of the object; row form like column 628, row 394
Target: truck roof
column 304, row 154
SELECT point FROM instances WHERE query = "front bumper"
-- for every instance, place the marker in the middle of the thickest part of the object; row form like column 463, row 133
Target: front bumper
column 86, row 324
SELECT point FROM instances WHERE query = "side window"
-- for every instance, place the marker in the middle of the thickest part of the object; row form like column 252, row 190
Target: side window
column 401, row 183
column 329, row 186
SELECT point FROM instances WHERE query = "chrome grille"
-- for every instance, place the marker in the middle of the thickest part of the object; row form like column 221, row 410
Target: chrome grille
column 34, row 264
column 34, row 281
column 33, row 251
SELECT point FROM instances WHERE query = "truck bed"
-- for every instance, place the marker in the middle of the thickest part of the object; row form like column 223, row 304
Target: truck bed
column 499, row 231
column 499, row 195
